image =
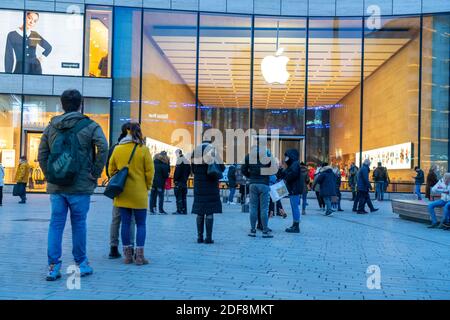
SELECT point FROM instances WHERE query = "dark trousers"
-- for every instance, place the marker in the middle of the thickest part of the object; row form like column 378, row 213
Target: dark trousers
column 23, row 196
column 1, row 195
column 320, row 200
column 363, row 198
column 278, row 206
column 154, row 194
column 180, row 191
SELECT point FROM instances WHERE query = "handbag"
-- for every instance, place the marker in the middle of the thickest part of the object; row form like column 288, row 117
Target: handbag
column 278, row 191
column 117, row 182
column 214, row 171
column 334, row 199
column 19, row 189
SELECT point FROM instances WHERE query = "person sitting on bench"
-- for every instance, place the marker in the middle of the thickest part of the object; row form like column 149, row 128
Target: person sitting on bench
column 442, row 188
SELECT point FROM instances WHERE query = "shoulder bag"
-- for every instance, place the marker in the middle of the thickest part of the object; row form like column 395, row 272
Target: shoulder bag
column 117, row 182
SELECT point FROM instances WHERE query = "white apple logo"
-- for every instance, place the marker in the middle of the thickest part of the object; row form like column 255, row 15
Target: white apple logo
column 274, row 68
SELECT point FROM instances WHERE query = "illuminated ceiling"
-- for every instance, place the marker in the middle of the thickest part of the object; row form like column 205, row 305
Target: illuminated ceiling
column 224, row 63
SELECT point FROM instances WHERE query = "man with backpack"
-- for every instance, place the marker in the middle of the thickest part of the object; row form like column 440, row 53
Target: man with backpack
column 380, row 177
column 72, row 154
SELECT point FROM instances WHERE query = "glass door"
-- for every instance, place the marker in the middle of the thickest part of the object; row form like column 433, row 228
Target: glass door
column 36, row 180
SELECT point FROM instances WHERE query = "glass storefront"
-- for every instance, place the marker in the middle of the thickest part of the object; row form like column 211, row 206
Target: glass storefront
column 339, row 89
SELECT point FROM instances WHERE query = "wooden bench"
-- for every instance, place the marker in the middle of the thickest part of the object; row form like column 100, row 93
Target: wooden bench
column 414, row 210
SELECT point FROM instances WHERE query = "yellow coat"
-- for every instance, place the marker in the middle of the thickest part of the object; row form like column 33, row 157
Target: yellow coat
column 23, row 173
column 140, row 175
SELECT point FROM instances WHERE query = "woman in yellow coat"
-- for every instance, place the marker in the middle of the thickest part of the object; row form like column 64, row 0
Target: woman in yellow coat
column 133, row 199
column 22, row 175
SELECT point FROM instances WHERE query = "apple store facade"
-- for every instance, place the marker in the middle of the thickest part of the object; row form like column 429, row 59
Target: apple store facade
column 342, row 80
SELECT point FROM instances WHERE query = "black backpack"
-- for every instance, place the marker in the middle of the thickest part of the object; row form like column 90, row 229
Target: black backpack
column 64, row 162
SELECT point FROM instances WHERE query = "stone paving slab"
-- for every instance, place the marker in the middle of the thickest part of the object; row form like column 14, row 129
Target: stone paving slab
column 328, row 260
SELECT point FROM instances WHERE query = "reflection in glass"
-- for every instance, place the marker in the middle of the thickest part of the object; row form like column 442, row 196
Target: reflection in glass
column 126, row 67
column 435, row 92
column 168, row 78
column 10, row 106
column 98, row 41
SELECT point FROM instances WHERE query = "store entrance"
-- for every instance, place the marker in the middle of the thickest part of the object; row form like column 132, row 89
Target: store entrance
column 36, row 180
column 278, row 147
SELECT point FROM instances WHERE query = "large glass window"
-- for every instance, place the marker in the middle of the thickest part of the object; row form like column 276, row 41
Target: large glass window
column 11, row 41
column 279, row 75
column 391, row 87
column 224, row 71
column 53, row 43
column 435, row 92
column 98, row 35
column 126, row 67
column 334, row 75
column 168, row 78
column 10, row 106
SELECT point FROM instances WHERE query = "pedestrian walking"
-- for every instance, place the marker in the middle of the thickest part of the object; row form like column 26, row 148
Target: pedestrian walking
column 419, row 179
column 72, row 154
column 327, row 182
column 316, row 188
column 432, row 179
column 22, row 176
column 162, row 171
column 180, row 179
column 337, row 204
column 305, row 172
column 364, row 187
column 352, row 179
column 133, row 152
column 231, row 175
column 206, row 189
column 381, row 179
column 254, row 169
column 2, row 178
column 295, row 177
column 116, row 218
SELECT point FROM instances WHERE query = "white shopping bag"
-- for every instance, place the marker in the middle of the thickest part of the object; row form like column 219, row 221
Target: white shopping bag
column 278, row 191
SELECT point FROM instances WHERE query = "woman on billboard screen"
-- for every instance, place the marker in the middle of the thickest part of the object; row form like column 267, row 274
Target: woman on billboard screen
column 33, row 39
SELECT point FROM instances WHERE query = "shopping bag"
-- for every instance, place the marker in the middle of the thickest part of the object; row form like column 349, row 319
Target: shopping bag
column 19, row 189
column 278, row 191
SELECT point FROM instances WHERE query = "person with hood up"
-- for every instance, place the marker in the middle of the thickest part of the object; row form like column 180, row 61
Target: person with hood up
column 162, row 171
column 295, row 177
column 327, row 182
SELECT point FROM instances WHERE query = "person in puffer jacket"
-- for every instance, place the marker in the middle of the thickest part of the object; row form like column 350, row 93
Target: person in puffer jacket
column 327, row 182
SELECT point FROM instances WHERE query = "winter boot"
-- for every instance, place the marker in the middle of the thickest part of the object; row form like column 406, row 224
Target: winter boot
column 140, row 259
column 128, row 253
column 295, row 228
column 114, row 253
column 200, row 227
column 209, row 222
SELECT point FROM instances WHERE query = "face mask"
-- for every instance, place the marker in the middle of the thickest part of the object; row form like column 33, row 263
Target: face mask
column 286, row 159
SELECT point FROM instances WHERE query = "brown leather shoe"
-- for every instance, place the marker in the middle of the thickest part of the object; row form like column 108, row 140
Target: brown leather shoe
column 140, row 259
column 128, row 254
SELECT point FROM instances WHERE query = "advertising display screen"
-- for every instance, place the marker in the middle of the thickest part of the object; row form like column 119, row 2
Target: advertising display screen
column 53, row 43
column 392, row 157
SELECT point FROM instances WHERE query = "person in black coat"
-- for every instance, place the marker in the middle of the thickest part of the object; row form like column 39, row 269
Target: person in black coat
column 295, row 180
column 231, row 183
column 364, row 186
column 162, row 171
column 14, row 48
column 337, row 205
column 432, row 179
column 206, row 190
column 327, row 182
column 180, row 179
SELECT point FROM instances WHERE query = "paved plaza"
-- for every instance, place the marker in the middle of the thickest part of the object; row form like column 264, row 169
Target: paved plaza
column 327, row 260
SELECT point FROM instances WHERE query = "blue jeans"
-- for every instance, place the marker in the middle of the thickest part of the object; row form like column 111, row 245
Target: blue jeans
column 417, row 191
column 259, row 193
column 79, row 207
column 231, row 196
column 438, row 204
column 380, row 190
column 327, row 201
column 140, row 215
column 295, row 203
